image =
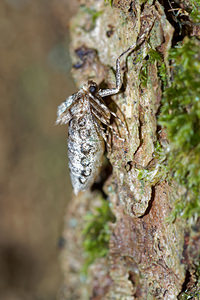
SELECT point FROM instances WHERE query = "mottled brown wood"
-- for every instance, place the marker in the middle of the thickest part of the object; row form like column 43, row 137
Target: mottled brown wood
column 148, row 257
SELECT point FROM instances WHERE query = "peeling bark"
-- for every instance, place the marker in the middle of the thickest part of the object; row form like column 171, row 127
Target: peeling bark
column 147, row 255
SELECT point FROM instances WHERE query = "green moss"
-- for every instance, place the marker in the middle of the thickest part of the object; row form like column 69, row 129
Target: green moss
column 188, row 10
column 152, row 57
column 162, row 73
column 144, row 74
column 109, row 1
column 194, row 11
column 180, row 115
column 93, row 13
column 158, row 171
column 187, row 295
column 97, row 234
column 146, row 1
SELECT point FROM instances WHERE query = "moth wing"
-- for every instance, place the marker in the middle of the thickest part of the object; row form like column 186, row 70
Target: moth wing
column 99, row 107
column 67, row 103
column 64, row 118
column 67, row 109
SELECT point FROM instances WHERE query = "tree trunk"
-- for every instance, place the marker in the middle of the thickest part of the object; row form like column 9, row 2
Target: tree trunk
column 150, row 256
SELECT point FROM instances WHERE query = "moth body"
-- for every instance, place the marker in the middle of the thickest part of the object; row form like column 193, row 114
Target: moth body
column 89, row 126
column 85, row 151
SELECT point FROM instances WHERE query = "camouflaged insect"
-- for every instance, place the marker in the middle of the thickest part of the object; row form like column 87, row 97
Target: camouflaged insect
column 85, row 112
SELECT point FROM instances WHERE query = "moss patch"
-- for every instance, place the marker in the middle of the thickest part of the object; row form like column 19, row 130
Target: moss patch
column 158, row 171
column 93, row 15
column 180, row 115
column 194, row 10
column 152, row 57
column 109, row 1
column 97, row 233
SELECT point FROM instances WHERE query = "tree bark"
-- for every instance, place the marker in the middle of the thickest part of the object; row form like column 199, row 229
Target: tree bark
column 149, row 256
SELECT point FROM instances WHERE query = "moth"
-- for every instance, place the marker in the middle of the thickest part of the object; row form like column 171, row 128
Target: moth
column 86, row 113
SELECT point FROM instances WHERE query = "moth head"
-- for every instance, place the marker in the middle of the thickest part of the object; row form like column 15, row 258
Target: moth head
column 92, row 87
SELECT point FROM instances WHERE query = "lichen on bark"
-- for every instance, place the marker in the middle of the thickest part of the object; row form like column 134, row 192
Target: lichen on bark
column 147, row 256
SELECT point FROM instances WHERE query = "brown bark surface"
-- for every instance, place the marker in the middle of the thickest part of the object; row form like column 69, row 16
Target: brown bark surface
column 147, row 254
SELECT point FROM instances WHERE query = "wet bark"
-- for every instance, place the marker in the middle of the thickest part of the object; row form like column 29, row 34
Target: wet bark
column 149, row 257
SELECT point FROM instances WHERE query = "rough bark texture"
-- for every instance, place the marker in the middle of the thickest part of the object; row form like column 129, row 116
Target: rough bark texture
column 147, row 255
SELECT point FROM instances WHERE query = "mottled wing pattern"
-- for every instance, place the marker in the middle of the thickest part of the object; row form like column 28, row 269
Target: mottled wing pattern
column 85, row 149
column 67, row 109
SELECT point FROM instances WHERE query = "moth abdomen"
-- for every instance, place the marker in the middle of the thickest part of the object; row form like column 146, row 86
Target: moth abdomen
column 85, row 151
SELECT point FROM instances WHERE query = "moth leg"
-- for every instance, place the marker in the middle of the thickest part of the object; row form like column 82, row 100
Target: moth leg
column 120, row 122
column 99, row 102
column 115, row 133
column 140, row 40
column 108, row 92
column 105, row 112
column 101, row 131
column 106, row 120
column 102, row 120
column 102, row 109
